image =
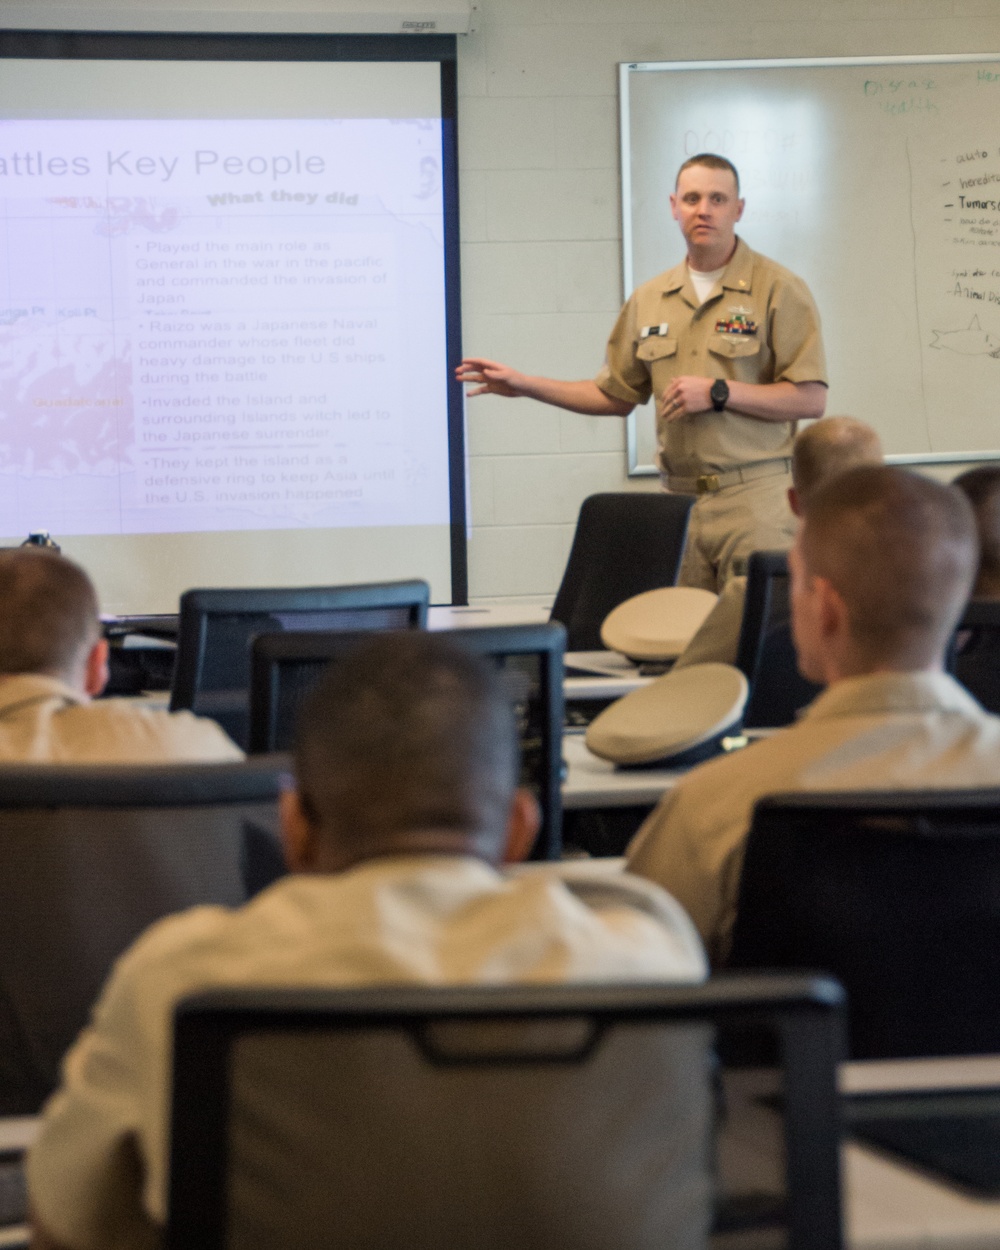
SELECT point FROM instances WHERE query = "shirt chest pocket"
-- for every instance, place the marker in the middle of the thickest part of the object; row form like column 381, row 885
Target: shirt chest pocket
column 736, row 347
column 655, row 348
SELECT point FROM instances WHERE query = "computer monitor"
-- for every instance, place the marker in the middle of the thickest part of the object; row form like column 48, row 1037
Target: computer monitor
column 212, row 671
column 285, row 667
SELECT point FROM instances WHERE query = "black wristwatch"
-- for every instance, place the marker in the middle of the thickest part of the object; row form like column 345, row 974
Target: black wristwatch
column 719, row 394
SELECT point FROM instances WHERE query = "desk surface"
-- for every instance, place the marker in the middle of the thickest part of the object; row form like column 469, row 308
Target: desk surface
column 596, row 687
column 593, row 782
column 600, row 675
column 887, row 1204
column 486, row 614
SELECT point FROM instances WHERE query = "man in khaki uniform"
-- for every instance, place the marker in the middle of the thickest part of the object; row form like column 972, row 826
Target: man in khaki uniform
column 821, row 451
column 54, row 664
column 729, row 344
column 880, row 571
column 406, row 805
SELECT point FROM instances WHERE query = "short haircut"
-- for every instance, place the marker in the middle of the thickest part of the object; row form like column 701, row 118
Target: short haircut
column 49, row 619
column 410, row 732
column 828, row 447
column 981, row 487
column 901, row 551
column 710, row 161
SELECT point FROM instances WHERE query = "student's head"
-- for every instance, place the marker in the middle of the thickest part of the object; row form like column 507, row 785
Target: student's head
column 982, row 489
column 826, row 448
column 881, row 569
column 49, row 620
column 407, row 746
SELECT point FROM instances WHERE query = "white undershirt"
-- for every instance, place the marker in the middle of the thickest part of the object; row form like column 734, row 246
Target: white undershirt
column 703, row 282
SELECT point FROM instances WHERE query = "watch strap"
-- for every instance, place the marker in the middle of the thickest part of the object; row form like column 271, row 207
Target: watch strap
column 719, row 394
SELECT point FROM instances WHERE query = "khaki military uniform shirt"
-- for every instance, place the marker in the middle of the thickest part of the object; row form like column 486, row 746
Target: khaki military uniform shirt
column 718, row 638
column 885, row 731
column 44, row 721
column 759, row 324
column 440, row 920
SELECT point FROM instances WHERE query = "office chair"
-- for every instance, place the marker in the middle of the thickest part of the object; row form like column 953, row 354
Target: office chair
column 898, row 896
column 212, row 672
column 975, row 656
column 90, row 856
column 552, row 1117
column 624, row 544
column 766, row 653
column 285, row 667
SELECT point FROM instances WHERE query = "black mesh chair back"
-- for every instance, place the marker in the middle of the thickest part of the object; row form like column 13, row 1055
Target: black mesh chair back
column 90, row 856
column 766, row 653
column 546, row 1118
column 897, row 895
column 212, row 672
column 285, row 667
column 975, row 655
column 624, row 544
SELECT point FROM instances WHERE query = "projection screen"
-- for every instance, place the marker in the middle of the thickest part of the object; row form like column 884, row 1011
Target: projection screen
column 229, row 310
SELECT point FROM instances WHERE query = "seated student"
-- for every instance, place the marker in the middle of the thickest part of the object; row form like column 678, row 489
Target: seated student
column 977, row 658
column 407, row 803
column 981, row 486
column 880, row 571
column 822, row 450
column 53, row 664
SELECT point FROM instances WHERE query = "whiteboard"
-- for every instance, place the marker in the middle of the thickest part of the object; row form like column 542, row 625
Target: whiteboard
column 876, row 180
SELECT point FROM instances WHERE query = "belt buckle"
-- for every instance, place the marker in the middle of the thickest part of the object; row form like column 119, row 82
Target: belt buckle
column 707, row 482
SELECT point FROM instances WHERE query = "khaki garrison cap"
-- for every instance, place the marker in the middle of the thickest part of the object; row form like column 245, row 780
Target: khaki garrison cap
column 657, row 625
column 678, row 719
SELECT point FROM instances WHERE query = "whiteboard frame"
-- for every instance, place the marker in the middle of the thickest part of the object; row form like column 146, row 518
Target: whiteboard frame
column 625, row 69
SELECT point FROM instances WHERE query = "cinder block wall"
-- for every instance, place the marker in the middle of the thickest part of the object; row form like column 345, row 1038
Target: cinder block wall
column 541, row 222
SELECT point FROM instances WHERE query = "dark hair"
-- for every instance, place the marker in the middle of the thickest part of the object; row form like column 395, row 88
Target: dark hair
column 981, row 486
column 710, row 161
column 408, row 732
column 901, row 550
column 49, row 619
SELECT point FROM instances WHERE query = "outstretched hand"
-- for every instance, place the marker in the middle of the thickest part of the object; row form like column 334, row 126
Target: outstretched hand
column 491, row 378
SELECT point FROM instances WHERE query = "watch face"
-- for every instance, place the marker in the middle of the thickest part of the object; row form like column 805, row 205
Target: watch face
column 719, row 394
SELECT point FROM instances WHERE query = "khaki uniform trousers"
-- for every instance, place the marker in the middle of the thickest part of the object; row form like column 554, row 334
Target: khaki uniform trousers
column 728, row 524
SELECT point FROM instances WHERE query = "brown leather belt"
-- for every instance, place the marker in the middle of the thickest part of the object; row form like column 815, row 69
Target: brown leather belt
column 707, row 483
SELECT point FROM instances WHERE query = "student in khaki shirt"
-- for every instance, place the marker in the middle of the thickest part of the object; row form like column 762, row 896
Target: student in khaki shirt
column 977, row 658
column 729, row 344
column 54, row 664
column 407, row 804
column 981, row 486
column 881, row 569
column 821, row 451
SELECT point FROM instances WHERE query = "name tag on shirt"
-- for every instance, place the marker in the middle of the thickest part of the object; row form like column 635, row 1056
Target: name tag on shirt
column 659, row 331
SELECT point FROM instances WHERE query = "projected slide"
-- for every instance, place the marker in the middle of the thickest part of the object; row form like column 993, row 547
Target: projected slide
column 221, row 325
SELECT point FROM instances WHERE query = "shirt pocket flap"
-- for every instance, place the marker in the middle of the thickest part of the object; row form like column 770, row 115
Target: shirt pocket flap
column 732, row 348
column 655, row 348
